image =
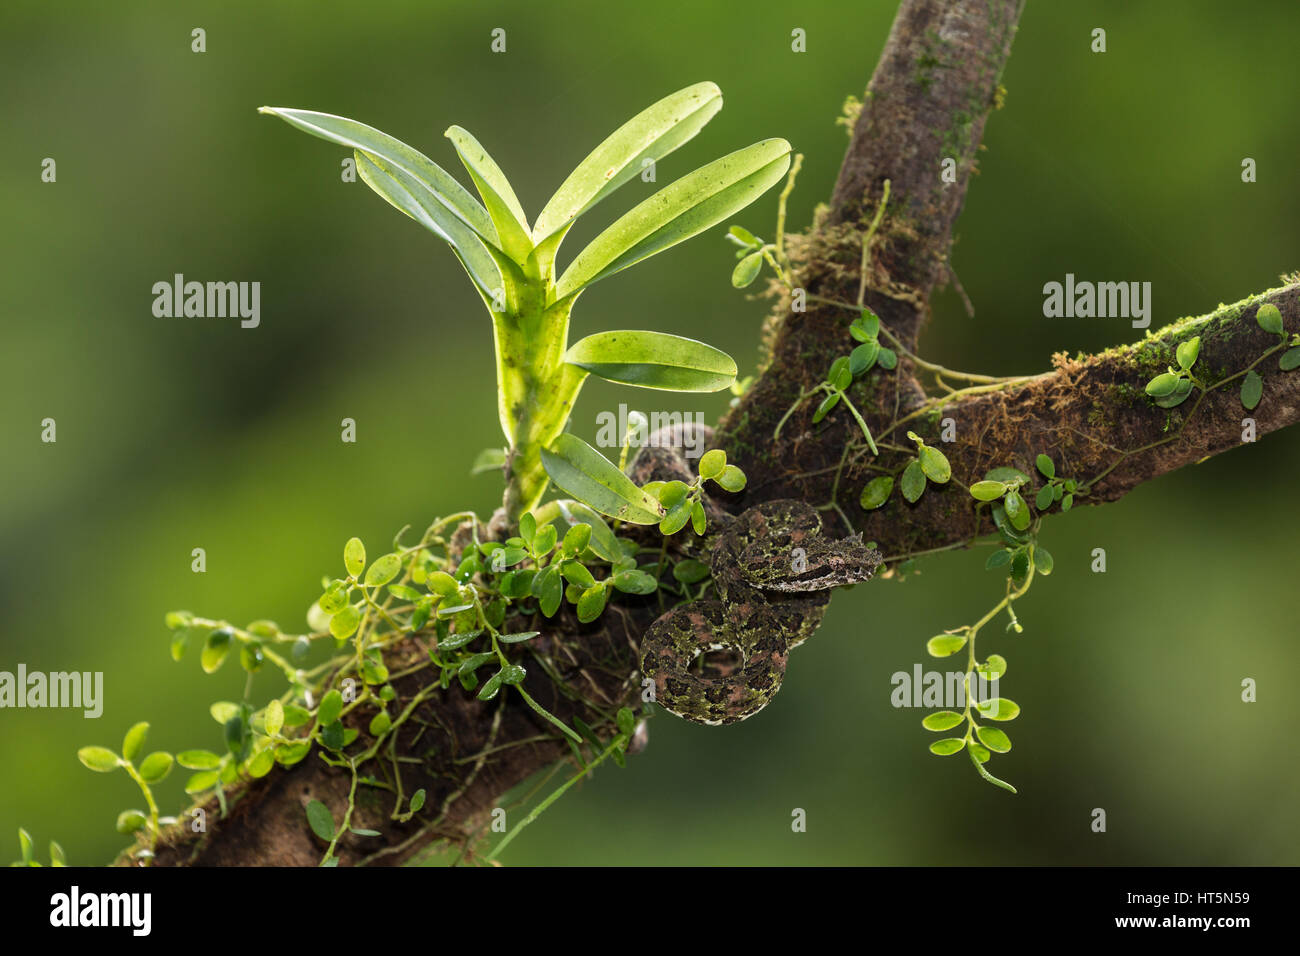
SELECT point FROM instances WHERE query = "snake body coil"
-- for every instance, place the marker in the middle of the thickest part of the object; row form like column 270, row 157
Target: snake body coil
column 773, row 571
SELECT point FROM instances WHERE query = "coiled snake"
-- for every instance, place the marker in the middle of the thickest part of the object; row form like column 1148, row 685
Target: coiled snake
column 773, row 570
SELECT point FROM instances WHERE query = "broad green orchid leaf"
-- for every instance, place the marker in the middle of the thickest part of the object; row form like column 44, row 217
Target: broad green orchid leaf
column 502, row 204
column 454, row 197
column 679, row 211
column 654, row 360
column 593, row 479
column 414, row 198
column 651, row 134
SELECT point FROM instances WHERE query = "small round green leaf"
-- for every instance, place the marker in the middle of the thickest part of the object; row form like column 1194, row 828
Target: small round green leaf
column 251, row 656
column 877, row 492
column 1019, row 564
column 863, row 357
column 945, row 645
column 134, row 740
column 331, row 705
column 1014, row 504
column 841, row 373
column 712, row 463
column 344, row 624
column 576, row 573
column 994, row 739
column 1179, row 395
column 383, row 570
column 943, row 720
column 994, row 667
column 999, row 708
column 292, row 752
column 592, row 603
column 203, row 780
column 215, row 649
column 404, row 593
column 1269, row 318
column 1007, row 475
column 527, row 526
column 442, row 584
column 334, row 598
column 867, row 324
column 732, row 479
column 948, row 746
column 1252, row 389
column 518, row 638
column 676, row 519
column 222, row 711
column 296, row 716
column 671, row 493
column 1162, row 385
column 1187, row 353
column 320, row 819
column 635, row 582
column 1290, row 359
column 747, row 270
column 997, row 559
column 935, row 465
column 274, row 718
column 1020, row 518
column 577, row 538
column 129, row 821
column 988, row 490
column 198, row 760
column 260, row 764
column 690, row 571
column 824, row 409
column 176, row 620
column 156, row 766
column 99, row 759
column 354, row 557
column 913, row 481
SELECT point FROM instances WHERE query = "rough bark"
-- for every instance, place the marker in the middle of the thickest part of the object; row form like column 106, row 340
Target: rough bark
column 927, row 102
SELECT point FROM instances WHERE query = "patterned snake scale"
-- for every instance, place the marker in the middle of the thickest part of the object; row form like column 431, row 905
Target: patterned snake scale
column 773, row 571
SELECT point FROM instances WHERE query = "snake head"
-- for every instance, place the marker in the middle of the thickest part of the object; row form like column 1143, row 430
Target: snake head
column 780, row 546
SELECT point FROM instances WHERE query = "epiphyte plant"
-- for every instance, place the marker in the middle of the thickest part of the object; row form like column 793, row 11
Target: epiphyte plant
column 512, row 265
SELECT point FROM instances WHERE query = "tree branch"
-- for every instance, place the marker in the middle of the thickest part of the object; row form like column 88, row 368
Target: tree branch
column 926, row 104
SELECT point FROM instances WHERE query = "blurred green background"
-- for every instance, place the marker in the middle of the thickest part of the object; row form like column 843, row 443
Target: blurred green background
column 183, row 433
